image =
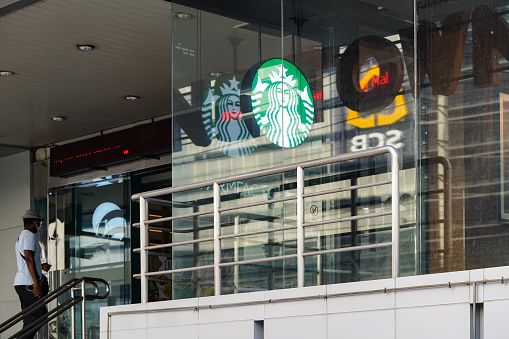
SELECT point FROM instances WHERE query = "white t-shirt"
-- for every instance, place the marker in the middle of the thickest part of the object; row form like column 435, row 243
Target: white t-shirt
column 27, row 241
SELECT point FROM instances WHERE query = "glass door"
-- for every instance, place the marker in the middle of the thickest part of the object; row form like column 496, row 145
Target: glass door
column 89, row 236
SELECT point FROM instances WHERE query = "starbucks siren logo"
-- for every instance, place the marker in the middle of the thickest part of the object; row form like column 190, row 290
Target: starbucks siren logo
column 282, row 104
column 222, row 118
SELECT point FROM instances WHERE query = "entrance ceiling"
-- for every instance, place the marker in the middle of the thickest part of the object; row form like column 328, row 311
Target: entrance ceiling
column 53, row 78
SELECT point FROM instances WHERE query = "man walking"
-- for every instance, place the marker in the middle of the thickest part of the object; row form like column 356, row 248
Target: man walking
column 28, row 259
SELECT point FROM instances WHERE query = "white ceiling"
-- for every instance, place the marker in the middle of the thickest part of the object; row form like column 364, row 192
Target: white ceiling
column 132, row 57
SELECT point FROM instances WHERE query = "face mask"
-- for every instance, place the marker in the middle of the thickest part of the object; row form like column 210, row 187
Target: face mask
column 39, row 226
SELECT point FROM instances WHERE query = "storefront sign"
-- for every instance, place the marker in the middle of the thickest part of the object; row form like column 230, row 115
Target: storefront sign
column 282, row 103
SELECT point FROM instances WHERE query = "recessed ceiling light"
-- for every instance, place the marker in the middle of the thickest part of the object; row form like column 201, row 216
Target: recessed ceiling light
column 131, row 97
column 57, row 118
column 85, row 47
column 184, row 16
column 6, row 73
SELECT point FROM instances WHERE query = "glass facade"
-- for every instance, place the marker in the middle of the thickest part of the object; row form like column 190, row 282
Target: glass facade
column 263, row 84
column 462, row 84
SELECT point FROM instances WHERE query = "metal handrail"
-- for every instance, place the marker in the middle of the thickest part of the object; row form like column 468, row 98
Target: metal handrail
column 144, row 199
column 66, row 287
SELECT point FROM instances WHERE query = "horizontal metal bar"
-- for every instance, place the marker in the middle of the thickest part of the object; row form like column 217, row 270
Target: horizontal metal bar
column 346, row 189
column 164, row 229
column 190, row 215
column 161, row 202
column 266, row 172
column 348, row 249
column 259, row 203
column 255, row 261
column 257, row 232
column 180, row 270
column 173, row 244
column 356, row 217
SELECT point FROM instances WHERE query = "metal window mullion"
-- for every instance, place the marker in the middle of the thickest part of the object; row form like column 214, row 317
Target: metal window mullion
column 395, row 210
column 217, row 241
column 300, row 228
column 143, row 250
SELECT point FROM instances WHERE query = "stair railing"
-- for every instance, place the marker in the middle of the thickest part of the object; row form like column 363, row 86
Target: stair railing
column 72, row 286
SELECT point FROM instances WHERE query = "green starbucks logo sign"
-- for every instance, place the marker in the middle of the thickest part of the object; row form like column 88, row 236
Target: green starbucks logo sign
column 282, row 103
column 223, row 120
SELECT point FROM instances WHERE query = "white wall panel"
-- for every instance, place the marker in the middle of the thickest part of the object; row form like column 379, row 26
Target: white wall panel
column 172, row 318
column 292, row 308
column 372, row 324
column 127, row 334
column 303, row 327
column 360, row 302
column 227, row 329
column 129, row 321
column 496, row 324
column 184, row 332
column 444, row 321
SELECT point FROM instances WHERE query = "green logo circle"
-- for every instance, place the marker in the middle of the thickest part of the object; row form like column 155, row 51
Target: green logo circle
column 282, row 103
column 222, row 117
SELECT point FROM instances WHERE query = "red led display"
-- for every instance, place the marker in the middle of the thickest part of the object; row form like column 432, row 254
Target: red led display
column 148, row 141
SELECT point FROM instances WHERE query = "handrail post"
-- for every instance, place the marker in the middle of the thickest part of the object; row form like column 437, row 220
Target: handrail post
column 83, row 309
column 143, row 252
column 395, row 210
column 300, row 230
column 217, row 241
column 73, row 317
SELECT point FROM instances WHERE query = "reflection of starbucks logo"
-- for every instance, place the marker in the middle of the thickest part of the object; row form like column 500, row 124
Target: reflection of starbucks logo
column 223, row 119
column 282, row 103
